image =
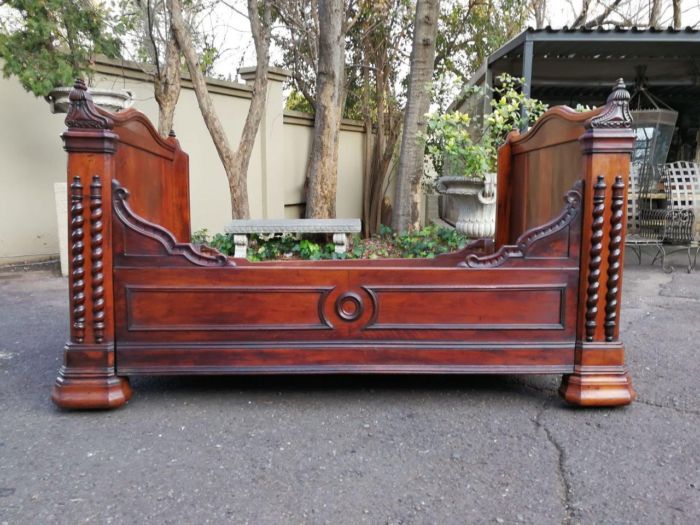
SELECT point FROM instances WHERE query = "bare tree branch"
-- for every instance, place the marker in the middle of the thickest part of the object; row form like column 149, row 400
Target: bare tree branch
column 603, row 17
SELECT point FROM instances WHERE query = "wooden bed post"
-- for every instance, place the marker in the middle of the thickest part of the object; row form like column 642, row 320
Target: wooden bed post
column 600, row 377
column 87, row 378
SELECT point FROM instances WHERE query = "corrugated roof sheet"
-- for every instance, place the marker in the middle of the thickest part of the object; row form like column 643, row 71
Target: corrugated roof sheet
column 631, row 45
column 614, row 29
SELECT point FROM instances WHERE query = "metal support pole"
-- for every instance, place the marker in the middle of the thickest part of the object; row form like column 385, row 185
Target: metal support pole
column 527, row 75
column 488, row 85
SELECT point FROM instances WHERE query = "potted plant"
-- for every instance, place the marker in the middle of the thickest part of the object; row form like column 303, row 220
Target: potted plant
column 464, row 156
column 466, row 181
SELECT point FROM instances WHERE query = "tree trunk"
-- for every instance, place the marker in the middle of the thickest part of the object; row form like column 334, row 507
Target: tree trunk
column 583, row 14
column 261, row 38
column 655, row 13
column 367, row 154
column 407, row 197
column 330, row 89
column 676, row 14
column 166, row 79
column 235, row 163
column 539, row 10
column 166, row 87
column 602, row 17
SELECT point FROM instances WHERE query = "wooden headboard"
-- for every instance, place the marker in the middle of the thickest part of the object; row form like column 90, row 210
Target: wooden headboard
column 536, row 169
column 155, row 170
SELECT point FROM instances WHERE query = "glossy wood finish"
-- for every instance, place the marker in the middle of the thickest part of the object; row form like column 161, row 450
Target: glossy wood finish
column 600, row 377
column 157, row 168
column 543, row 300
column 88, row 377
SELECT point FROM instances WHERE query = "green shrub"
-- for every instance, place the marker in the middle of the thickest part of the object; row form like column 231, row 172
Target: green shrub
column 425, row 243
column 456, row 147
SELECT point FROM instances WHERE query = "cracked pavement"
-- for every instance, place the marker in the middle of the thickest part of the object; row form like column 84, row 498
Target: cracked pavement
column 355, row 449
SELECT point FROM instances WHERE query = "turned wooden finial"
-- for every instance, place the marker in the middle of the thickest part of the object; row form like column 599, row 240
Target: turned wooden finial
column 82, row 112
column 616, row 113
column 78, row 86
column 619, row 91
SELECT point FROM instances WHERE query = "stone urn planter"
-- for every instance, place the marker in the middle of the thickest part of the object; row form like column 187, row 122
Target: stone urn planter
column 469, row 204
column 109, row 99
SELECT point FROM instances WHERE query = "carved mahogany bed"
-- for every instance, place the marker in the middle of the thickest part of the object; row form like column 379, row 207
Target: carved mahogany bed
column 543, row 298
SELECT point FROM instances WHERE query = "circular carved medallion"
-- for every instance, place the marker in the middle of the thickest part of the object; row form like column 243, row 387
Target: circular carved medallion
column 349, row 306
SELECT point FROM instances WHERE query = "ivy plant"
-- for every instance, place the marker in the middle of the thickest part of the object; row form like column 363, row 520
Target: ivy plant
column 427, row 242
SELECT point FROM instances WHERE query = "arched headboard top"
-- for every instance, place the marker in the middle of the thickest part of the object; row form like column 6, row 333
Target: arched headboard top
column 557, row 125
column 561, row 124
column 537, row 167
column 134, row 128
column 155, row 169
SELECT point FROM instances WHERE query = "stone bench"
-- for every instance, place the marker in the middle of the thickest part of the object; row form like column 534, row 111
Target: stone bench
column 241, row 228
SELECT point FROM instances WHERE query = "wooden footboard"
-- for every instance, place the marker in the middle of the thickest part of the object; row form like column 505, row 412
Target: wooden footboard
column 513, row 310
column 545, row 300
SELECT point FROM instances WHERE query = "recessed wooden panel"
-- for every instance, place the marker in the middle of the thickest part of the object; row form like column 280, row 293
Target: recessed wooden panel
column 225, row 308
column 305, row 358
column 469, row 307
column 551, row 173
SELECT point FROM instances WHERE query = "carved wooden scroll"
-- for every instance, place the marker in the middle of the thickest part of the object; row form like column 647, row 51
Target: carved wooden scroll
column 140, row 226
column 616, row 113
column 82, row 113
column 572, row 206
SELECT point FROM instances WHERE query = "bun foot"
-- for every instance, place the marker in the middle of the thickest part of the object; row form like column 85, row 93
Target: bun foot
column 90, row 390
column 597, row 388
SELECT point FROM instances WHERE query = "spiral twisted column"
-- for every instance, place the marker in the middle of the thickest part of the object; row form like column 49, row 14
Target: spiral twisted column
column 614, row 252
column 595, row 258
column 78, row 260
column 97, row 254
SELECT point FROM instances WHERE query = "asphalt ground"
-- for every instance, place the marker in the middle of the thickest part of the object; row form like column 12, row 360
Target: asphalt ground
column 354, row 449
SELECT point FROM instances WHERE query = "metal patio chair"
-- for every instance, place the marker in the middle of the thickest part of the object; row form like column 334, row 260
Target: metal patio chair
column 645, row 220
column 680, row 225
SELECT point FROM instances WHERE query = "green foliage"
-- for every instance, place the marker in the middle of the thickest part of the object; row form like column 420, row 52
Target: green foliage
column 449, row 144
column 507, row 105
column 425, row 243
column 222, row 242
column 209, row 53
column 262, row 249
column 428, row 242
column 450, row 141
column 468, row 32
column 267, row 248
column 200, row 237
column 48, row 43
column 297, row 102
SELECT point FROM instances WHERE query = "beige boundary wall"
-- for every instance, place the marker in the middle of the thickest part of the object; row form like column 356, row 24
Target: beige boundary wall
column 33, row 158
